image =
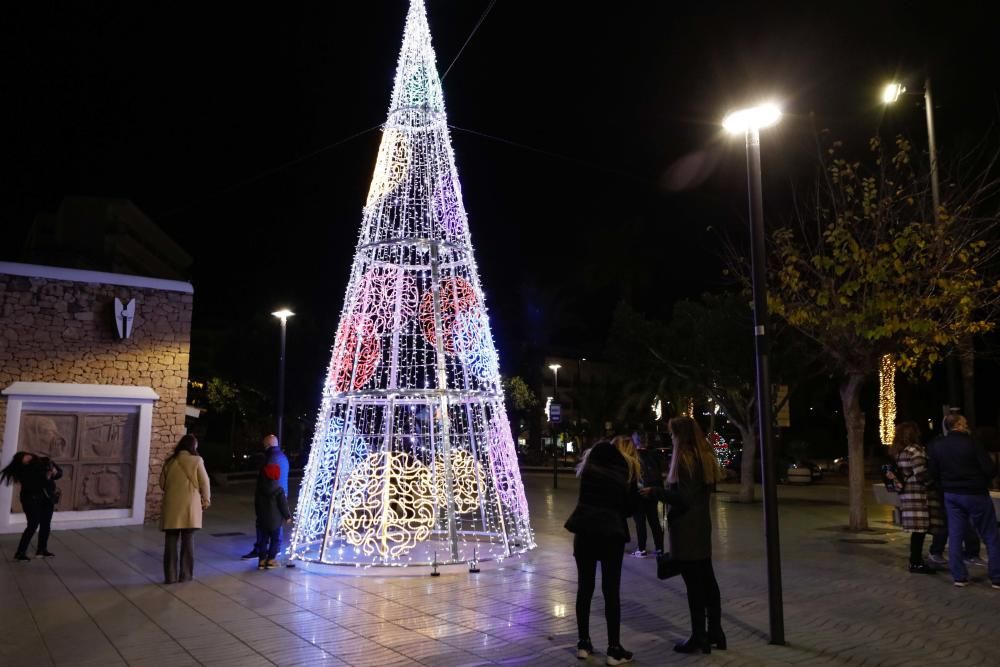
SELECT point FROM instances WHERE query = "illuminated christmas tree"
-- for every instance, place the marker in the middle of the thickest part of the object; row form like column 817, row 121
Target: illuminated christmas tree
column 412, row 460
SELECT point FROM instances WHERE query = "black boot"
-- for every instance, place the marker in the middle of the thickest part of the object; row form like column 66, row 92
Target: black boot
column 717, row 639
column 693, row 645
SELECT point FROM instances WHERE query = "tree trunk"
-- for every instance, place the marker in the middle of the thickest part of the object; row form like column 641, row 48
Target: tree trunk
column 967, row 360
column 747, row 465
column 854, row 419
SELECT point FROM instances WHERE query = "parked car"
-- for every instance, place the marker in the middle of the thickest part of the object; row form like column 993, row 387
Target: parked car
column 815, row 471
column 786, row 466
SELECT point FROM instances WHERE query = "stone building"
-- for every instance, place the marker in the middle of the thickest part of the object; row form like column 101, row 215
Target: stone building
column 95, row 380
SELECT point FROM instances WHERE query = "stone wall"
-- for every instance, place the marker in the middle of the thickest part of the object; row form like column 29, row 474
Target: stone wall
column 55, row 330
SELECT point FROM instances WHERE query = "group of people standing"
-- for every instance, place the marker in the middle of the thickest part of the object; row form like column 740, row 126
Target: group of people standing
column 613, row 486
column 944, row 491
column 187, row 494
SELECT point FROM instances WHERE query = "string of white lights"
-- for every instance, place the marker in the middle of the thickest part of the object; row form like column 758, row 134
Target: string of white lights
column 413, row 459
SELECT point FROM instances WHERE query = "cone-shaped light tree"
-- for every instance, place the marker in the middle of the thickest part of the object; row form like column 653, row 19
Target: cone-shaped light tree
column 413, row 461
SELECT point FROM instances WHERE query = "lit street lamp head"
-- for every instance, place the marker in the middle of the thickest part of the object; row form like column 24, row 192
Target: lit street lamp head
column 754, row 118
column 283, row 314
column 892, row 91
column 555, row 367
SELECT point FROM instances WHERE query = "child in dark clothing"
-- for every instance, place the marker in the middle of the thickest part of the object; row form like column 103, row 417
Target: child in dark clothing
column 271, row 506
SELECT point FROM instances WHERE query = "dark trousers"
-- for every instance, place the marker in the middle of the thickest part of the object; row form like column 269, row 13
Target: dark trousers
column 588, row 553
column 181, row 569
column 703, row 596
column 271, row 543
column 969, row 537
column 977, row 510
column 38, row 512
column 917, row 548
column 260, row 543
column 648, row 510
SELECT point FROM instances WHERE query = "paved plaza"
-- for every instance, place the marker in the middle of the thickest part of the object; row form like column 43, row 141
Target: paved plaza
column 848, row 600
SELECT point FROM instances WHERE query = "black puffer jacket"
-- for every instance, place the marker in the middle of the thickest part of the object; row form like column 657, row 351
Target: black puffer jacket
column 270, row 504
column 604, row 484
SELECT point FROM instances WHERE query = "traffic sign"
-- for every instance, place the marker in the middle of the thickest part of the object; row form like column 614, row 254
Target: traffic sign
column 555, row 413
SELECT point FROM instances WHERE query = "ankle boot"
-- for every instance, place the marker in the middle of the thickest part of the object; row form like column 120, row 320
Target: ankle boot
column 717, row 638
column 693, row 645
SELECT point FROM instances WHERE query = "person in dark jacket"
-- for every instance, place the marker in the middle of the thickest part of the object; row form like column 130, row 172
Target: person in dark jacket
column 271, row 507
column 694, row 472
column 37, row 476
column 607, row 497
column 962, row 469
column 648, row 507
column 272, row 455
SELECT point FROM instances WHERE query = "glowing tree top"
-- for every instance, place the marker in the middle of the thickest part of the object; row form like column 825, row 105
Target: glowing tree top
column 413, row 459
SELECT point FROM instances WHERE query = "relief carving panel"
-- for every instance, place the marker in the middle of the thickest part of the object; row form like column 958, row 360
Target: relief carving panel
column 96, row 451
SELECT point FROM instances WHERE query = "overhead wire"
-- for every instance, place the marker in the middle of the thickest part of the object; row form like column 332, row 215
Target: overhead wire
column 272, row 170
column 559, row 156
column 469, row 38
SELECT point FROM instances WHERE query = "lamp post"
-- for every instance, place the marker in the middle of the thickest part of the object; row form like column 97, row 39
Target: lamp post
column 552, row 425
column 282, row 315
column 890, row 94
column 749, row 122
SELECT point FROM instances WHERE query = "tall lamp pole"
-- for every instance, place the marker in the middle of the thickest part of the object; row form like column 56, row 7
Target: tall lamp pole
column 890, row 94
column 749, row 122
column 282, row 315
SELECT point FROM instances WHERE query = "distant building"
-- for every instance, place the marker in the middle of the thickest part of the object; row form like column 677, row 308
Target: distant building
column 110, row 235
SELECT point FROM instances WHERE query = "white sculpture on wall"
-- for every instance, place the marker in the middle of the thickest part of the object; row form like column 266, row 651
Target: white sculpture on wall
column 124, row 316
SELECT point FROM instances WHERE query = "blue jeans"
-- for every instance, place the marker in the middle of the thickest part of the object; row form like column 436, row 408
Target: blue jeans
column 971, row 548
column 979, row 511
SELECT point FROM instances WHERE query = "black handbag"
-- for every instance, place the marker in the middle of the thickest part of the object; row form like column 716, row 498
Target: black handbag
column 666, row 566
column 54, row 494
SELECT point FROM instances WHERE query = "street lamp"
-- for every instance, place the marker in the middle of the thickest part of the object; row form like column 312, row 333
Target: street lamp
column 555, row 373
column 749, row 122
column 890, row 94
column 282, row 315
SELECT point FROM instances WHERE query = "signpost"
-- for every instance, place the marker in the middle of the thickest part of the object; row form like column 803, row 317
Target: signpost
column 555, row 416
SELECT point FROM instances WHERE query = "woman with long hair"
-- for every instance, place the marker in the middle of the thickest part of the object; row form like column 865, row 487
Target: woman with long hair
column 186, row 493
column 37, row 476
column 694, row 472
column 607, row 495
column 920, row 507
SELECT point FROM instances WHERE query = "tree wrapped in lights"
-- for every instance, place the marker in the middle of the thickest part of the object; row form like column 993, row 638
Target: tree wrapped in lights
column 886, row 399
column 412, row 460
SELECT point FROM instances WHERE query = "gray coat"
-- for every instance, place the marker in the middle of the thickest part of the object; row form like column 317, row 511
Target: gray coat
column 689, row 521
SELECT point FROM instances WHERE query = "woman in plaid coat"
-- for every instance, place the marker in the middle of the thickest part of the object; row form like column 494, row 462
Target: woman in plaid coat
column 920, row 507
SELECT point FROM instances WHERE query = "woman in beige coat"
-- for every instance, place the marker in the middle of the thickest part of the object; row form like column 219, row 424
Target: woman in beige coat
column 185, row 494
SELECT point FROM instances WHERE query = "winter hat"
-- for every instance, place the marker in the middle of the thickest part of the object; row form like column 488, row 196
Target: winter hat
column 272, row 471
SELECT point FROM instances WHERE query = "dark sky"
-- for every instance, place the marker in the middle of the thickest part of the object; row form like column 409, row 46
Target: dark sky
column 617, row 185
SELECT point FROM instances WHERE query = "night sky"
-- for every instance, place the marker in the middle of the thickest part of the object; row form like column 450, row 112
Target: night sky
column 604, row 175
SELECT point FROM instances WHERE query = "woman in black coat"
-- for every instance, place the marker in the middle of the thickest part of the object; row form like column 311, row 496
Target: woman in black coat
column 694, row 471
column 607, row 495
column 37, row 476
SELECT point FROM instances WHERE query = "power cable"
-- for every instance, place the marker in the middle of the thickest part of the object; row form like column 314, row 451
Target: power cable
column 268, row 172
column 558, row 156
column 469, row 39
